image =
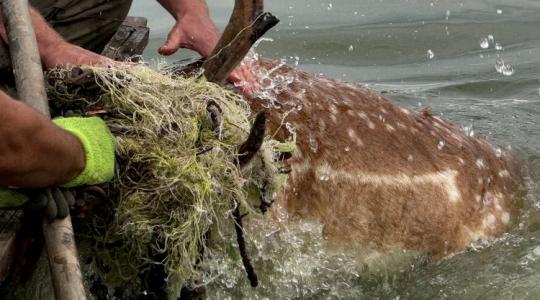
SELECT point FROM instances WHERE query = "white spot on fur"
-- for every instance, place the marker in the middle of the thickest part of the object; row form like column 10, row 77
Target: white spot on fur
column 333, row 109
column 504, row 174
column 477, row 198
column 445, row 180
column 389, row 127
column 370, row 124
column 480, row 163
column 351, row 133
column 322, row 125
column 354, row 137
column 489, row 221
column 405, row 111
column 505, row 217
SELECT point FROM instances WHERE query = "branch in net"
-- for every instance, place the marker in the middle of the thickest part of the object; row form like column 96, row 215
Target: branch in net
column 247, row 24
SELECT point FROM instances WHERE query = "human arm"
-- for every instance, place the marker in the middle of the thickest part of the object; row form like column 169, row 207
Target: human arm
column 53, row 50
column 34, row 152
column 195, row 30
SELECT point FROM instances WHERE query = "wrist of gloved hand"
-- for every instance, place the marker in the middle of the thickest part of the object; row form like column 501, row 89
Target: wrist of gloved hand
column 98, row 144
column 54, row 201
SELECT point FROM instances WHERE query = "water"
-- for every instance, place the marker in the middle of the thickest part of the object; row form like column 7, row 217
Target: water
column 473, row 62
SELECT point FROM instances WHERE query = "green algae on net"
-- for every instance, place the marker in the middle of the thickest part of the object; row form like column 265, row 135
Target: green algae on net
column 177, row 175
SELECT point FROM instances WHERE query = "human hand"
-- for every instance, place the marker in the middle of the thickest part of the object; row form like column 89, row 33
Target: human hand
column 98, row 144
column 55, row 202
column 194, row 32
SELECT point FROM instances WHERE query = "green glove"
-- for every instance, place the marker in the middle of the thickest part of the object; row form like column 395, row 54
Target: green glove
column 98, row 144
column 55, row 202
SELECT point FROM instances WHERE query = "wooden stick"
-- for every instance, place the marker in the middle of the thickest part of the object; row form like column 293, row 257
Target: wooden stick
column 28, row 72
column 247, row 24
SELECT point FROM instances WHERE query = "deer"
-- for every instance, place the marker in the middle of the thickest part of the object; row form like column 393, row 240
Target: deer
column 381, row 177
column 377, row 176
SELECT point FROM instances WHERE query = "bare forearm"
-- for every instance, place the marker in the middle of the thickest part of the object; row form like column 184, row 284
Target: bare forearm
column 53, row 50
column 179, row 8
column 34, row 152
column 47, row 38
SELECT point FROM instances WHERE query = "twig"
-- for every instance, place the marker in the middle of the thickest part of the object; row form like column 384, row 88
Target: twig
column 239, row 228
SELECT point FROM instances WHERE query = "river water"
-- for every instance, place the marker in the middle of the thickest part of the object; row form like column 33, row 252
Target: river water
column 475, row 63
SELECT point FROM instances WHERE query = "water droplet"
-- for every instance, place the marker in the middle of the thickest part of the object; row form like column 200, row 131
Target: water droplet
column 347, row 149
column 430, row 54
column 324, row 177
column 498, row 47
column 441, row 144
column 498, row 152
column 508, row 70
column 491, row 38
column 410, row 157
column 330, row 6
column 468, row 130
column 499, row 11
column 499, row 64
column 351, row 48
column 356, row 13
column 484, row 43
column 447, row 14
column 504, row 68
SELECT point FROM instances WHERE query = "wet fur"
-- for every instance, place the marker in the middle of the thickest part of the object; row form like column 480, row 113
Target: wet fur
column 372, row 174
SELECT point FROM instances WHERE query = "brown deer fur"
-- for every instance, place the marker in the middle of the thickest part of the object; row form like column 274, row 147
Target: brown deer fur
column 373, row 174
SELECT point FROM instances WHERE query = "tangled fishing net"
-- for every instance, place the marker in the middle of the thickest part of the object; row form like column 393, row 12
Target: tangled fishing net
column 177, row 173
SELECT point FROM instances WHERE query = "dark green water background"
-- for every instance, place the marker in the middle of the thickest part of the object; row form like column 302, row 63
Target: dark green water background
column 440, row 54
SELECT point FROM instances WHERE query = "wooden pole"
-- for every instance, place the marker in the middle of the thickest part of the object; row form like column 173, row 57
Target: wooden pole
column 28, row 72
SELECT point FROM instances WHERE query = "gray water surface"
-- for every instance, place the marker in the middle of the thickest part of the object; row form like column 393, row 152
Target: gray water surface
column 475, row 63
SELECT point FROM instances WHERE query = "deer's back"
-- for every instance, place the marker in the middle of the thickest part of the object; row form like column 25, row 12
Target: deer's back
column 384, row 177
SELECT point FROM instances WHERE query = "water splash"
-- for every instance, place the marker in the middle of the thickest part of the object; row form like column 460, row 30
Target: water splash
column 430, row 54
column 484, row 43
column 504, row 68
column 440, row 145
column 468, row 130
column 292, row 263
